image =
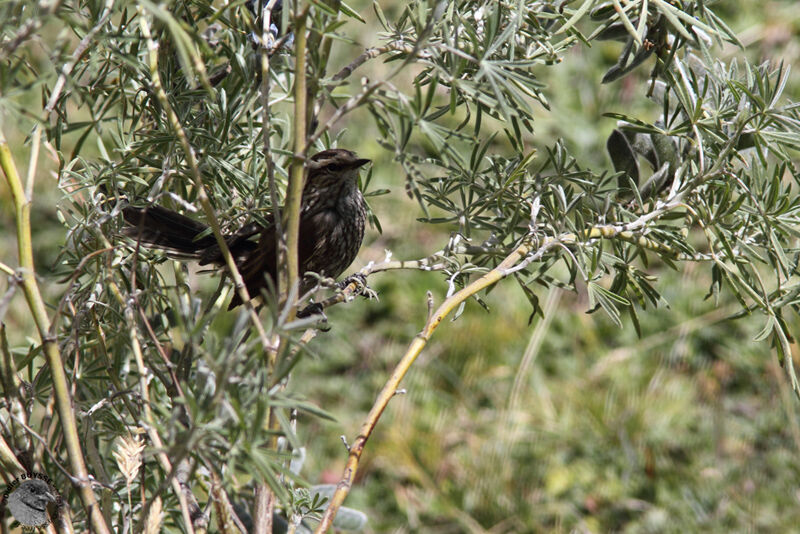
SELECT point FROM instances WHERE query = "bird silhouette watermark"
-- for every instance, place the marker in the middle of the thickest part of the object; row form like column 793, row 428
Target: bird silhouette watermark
column 27, row 498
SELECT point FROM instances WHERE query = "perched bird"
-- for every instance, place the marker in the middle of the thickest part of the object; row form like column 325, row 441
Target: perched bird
column 333, row 215
column 28, row 503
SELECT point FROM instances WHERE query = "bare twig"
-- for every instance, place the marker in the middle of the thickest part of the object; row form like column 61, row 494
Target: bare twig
column 150, row 424
column 288, row 242
column 368, row 54
column 8, row 462
column 262, row 510
column 392, row 384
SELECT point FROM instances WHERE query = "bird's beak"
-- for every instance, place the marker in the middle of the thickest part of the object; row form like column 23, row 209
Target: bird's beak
column 360, row 163
column 50, row 497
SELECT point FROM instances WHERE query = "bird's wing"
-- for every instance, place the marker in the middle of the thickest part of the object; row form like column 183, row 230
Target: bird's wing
column 262, row 263
column 239, row 244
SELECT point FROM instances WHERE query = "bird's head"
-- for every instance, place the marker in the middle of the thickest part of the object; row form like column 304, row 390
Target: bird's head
column 334, row 166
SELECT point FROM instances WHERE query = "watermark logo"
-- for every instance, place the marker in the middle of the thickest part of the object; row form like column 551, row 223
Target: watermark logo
column 27, row 497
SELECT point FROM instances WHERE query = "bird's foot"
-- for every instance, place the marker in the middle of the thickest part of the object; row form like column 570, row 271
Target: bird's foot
column 315, row 308
column 361, row 287
column 318, row 310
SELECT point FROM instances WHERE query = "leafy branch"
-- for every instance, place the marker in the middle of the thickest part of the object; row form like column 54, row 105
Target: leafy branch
column 30, row 287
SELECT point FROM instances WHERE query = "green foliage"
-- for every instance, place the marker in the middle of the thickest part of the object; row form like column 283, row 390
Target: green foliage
column 689, row 427
column 705, row 177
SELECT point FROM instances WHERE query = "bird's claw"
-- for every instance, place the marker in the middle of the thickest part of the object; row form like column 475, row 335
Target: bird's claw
column 356, row 278
column 361, row 287
column 315, row 308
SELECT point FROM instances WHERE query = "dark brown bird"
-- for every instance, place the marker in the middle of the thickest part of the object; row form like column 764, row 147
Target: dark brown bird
column 332, row 220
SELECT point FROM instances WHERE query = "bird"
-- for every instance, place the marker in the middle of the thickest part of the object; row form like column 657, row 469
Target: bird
column 28, row 503
column 333, row 217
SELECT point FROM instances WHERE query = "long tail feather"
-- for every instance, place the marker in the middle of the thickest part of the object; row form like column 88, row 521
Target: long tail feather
column 177, row 234
column 159, row 227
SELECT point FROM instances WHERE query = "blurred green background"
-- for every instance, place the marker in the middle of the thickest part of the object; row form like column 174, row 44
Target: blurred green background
column 565, row 424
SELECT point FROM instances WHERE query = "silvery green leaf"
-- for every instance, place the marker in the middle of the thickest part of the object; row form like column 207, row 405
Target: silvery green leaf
column 349, row 519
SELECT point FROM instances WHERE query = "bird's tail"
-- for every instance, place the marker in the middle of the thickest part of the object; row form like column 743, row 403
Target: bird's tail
column 157, row 227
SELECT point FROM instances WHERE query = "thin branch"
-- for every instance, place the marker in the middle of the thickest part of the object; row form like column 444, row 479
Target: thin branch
column 176, row 386
column 150, row 423
column 289, row 239
column 370, row 53
column 264, row 501
column 525, row 254
column 27, row 29
column 208, row 209
column 294, row 192
column 6, row 269
column 266, row 120
column 369, row 88
column 322, row 43
column 350, row 105
column 8, row 461
column 22, row 207
column 66, row 70
column 43, row 441
column 262, row 510
column 390, row 388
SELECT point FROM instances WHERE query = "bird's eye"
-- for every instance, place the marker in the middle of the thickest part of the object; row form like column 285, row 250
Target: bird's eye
column 335, row 167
